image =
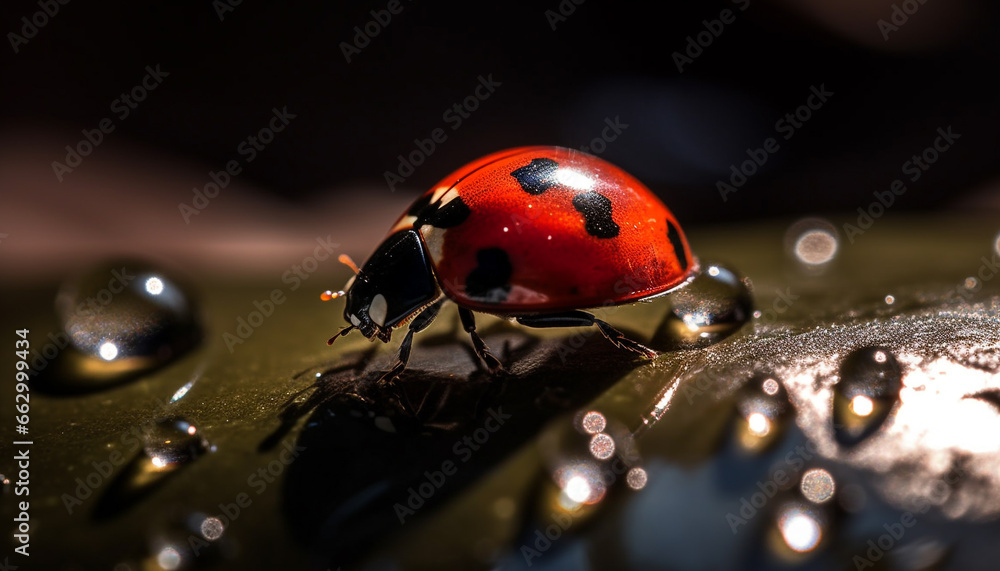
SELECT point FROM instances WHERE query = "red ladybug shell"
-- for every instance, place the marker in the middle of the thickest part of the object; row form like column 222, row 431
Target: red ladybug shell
column 542, row 229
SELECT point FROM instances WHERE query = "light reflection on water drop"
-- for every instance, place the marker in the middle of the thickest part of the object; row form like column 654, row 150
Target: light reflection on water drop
column 800, row 530
column 154, row 286
column 169, row 558
column 758, row 424
column 861, row 405
column 108, row 351
column 577, row 489
column 580, row 483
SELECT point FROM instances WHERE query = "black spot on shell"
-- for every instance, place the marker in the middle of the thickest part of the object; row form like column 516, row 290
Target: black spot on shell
column 490, row 280
column 596, row 210
column 447, row 216
column 675, row 240
column 420, row 204
column 536, row 177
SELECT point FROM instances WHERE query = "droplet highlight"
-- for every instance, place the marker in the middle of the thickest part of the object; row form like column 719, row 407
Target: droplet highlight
column 870, row 380
column 762, row 410
column 173, row 441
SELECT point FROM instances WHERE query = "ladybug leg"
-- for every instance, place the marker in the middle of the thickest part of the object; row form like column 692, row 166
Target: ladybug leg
column 469, row 323
column 583, row 319
column 419, row 323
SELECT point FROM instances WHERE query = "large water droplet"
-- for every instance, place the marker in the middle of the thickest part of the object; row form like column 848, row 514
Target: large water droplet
column 713, row 306
column 172, row 441
column 762, row 409
column 119, row 319
column 870, row 379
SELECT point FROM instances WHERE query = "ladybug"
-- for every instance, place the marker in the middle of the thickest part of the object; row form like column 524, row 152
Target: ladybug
column 531, row 234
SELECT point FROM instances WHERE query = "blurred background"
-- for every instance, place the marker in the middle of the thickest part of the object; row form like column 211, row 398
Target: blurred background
column 677, row 100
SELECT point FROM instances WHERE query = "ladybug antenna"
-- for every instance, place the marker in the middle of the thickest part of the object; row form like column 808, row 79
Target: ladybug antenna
column 347, row 261
column 343, row 331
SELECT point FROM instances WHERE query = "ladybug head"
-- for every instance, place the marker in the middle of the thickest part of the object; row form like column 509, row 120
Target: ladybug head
column 394, row 284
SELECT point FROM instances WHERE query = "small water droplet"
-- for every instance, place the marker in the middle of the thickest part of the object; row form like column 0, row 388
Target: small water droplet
column 636, row 478
column 172, row 441
column 169, row 558
column 593, row 422
column 870, row 379
column 890, row 299
column 212, row 528
column 817, row 485
column 812, row 243
column 713, row 306
column 119, row 319
column 762, row 409
column 602, row 446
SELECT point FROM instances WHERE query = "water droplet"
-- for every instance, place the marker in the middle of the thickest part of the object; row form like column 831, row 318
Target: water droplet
column 580, row 483
column 636, row 478
column 602, row 446
column 713, row 306
column 169, row 558
column 120, row 319
column 762, row 409
column 817, row 485
column 800, row 527
column 593, row 422
column 212, row 528
column 812, row 242
column 870, row 379
column 890, row 299
column 172, row 441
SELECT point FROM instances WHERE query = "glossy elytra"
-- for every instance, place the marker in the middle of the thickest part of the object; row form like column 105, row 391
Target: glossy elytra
column 532, row 234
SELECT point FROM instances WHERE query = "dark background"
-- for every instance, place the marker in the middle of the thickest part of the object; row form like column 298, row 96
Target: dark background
column 605, row 60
